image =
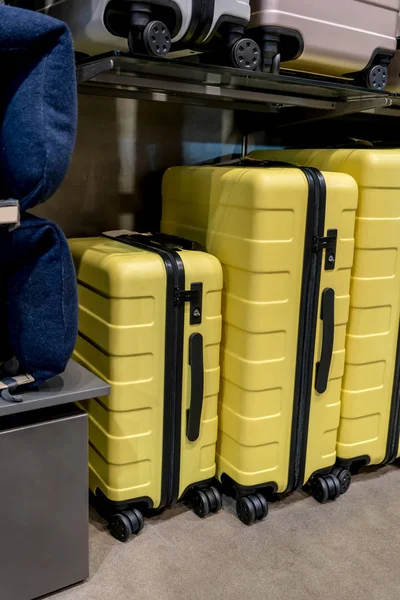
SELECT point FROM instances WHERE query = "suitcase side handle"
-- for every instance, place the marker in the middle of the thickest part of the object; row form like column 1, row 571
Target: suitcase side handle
column 196, row 361
column 328, row 338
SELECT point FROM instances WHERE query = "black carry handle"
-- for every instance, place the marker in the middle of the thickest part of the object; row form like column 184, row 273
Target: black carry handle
column 197, row 387
column 164, row 239
column 328, row 320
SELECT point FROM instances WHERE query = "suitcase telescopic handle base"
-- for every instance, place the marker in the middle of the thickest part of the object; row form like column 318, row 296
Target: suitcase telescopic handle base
column 328, row 321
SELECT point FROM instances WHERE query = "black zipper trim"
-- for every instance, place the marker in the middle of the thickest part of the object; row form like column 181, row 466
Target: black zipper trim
column 173, row 367
column 394, row 422
column 193, row 26
column 178, row 360
column 207, row 9
column 312, row 264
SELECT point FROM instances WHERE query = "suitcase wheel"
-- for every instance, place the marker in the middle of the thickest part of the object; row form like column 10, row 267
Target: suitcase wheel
column 377, row 77
column 125, row 524
column 251, row 508
column 206, row 501
column 214, row 498
column 246, row 54
column 325, row 487
column 155, row 39
column 344, row 477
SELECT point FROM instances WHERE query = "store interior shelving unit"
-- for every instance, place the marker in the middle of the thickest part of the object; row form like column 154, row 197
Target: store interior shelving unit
column 291, row 98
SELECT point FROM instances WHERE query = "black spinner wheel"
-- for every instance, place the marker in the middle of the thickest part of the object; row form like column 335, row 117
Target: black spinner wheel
column 201, row 504
column 214, row 499
column 125, row 524
column 154, row 39
column 261, row 506
column 325, row 487
column 246, row 54
column 334, row 486
column 251, row 508
column 344, row 477
column 320, row 489
column 246, row 510
column 136, row 519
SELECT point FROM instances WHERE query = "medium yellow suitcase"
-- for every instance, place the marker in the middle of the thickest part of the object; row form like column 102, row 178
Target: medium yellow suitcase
column 150, row 325
column 370, row 416
column 285, row 239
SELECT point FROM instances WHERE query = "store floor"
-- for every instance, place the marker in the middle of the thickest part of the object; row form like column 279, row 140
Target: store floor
column 348, row 549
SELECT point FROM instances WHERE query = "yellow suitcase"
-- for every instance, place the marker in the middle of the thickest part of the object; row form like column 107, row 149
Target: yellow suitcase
column 370, row 416
column 150, row 325
column 285, row 239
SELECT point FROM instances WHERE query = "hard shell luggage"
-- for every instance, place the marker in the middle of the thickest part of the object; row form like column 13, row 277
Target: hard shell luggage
column 370, row 416
column 159, row 27
column 284, row 236
column 150, row 324
column 345, row 38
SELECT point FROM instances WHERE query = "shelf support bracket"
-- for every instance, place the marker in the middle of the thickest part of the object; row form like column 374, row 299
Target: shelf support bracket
column 341, row 108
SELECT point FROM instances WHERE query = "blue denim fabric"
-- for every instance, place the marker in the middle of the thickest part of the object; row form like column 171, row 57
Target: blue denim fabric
column 41, row 309
column 38, row 105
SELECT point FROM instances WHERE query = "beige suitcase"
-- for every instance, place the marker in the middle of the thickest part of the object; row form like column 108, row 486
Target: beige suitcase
column 355, row 38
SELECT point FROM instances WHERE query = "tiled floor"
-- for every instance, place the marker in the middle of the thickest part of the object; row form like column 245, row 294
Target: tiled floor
column 344, row 550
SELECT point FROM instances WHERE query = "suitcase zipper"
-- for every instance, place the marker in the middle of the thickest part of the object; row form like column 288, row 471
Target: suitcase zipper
column 176, row 374
column 394, row 423
column 315, row 243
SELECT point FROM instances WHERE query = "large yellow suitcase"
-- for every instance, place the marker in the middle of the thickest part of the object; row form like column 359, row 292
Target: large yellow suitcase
column 150, row 325
column 370, row 417
column 285, row 239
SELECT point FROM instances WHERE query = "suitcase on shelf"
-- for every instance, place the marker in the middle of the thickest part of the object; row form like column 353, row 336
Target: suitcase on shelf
column 161, row 27
column 370, row 416
column 284, row 236
column 347, row 38
column 150, row 323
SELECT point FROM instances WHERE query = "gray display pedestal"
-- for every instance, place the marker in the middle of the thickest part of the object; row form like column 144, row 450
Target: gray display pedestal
column 44, row 487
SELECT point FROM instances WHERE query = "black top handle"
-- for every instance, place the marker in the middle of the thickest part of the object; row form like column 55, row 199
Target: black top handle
column 176, row 240
column 168, row 242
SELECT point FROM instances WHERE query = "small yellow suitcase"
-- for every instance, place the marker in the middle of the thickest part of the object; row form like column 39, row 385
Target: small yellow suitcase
column 150, row 325
column 370, row 416
column 285, row 239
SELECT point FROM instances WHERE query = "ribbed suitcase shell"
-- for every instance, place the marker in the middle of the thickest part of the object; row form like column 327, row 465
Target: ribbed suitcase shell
column 253, row 220
column 122, row 324
column 338, row 37
column 370, row 403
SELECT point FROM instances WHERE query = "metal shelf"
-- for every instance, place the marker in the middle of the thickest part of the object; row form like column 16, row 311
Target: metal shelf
column 74, row 385
column 299, row 98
